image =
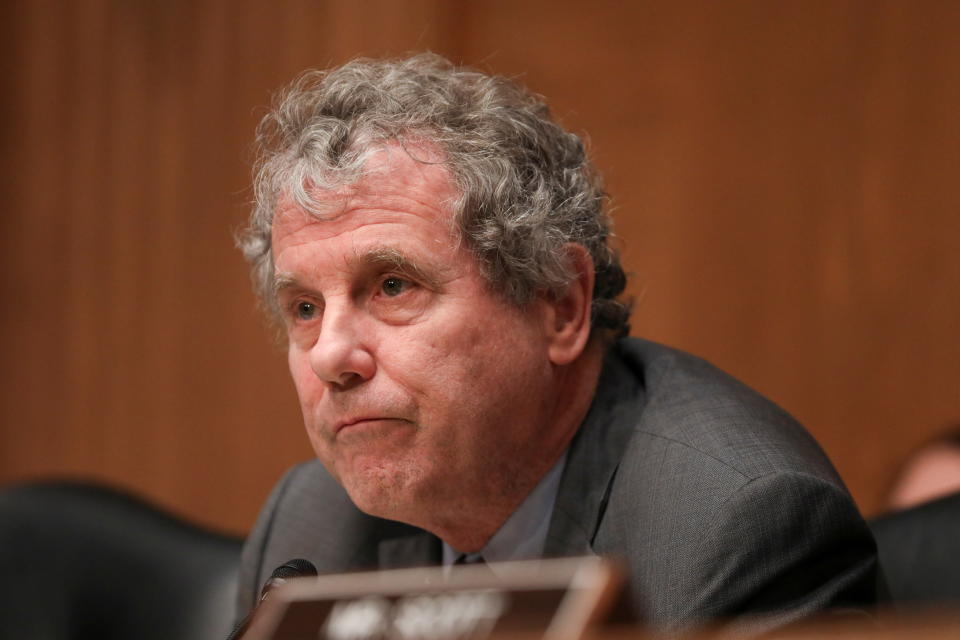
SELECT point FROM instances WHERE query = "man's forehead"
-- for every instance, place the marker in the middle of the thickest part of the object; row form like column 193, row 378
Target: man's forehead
column 410, row 179
column 390, row 169
column 410, row 161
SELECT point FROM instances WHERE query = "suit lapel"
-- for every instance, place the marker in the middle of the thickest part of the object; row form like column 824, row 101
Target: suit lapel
column 419, row 549
column 593, row 458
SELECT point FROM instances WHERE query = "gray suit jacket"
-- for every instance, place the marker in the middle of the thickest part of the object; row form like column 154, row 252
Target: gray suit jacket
column 716, row 500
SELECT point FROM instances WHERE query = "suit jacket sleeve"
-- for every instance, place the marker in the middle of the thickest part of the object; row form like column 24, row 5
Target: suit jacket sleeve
column 784, row 547
column 779, row 548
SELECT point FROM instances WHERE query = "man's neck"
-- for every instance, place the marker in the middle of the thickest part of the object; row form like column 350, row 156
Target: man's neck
column 478, row 518
column 524, row 533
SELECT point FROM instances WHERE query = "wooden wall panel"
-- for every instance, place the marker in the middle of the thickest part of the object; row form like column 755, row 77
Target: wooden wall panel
column 783, row 175
column 783, row 180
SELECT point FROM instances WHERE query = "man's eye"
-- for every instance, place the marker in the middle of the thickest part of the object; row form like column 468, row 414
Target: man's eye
column 306, row 310
column 394, row 286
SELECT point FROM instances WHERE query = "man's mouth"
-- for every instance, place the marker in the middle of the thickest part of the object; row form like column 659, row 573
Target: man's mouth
column 354, row 422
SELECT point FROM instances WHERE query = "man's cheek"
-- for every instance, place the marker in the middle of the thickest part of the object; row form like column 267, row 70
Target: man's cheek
column 418, row 362
column 325, row 453
column 298, row 372
column 308, row 385
column 452, row 346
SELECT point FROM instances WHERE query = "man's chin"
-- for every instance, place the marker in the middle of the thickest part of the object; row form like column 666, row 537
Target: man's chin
column 383, row 491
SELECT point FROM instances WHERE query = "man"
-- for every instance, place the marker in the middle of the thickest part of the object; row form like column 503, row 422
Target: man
column 436, row 248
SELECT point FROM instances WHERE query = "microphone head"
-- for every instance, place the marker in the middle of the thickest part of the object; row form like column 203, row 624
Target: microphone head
column 296, row 568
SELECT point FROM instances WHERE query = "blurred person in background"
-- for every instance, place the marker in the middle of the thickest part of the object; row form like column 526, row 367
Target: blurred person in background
column 929, row 472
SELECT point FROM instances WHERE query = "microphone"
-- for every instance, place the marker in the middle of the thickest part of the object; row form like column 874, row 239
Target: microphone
column 296, row 568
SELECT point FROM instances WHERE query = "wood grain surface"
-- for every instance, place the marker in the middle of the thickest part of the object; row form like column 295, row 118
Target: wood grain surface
column 785, row 177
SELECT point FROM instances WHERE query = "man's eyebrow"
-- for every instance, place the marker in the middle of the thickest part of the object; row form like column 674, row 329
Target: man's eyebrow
column 283, row 281
column 380, row 258
column 390, row 258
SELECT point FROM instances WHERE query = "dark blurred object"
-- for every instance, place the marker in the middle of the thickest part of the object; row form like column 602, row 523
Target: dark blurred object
column 919, row 550
column 80, row 561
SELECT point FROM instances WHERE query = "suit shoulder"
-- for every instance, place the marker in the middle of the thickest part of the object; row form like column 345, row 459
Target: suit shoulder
column 691, row 404
column 309, row 515
column 717, row 486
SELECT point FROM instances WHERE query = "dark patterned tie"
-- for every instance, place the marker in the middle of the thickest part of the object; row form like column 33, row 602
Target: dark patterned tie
column 469, row 558
column 476, row 560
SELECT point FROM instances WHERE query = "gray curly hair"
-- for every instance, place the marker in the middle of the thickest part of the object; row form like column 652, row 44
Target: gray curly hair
column 526, row 187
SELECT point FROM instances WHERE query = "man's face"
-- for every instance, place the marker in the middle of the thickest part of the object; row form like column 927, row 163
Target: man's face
column 419, row 386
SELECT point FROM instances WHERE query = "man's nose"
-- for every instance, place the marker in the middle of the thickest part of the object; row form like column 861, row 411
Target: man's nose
column 340, row 355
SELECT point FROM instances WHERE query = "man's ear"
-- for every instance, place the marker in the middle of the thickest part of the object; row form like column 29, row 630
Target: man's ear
column 568, row 313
